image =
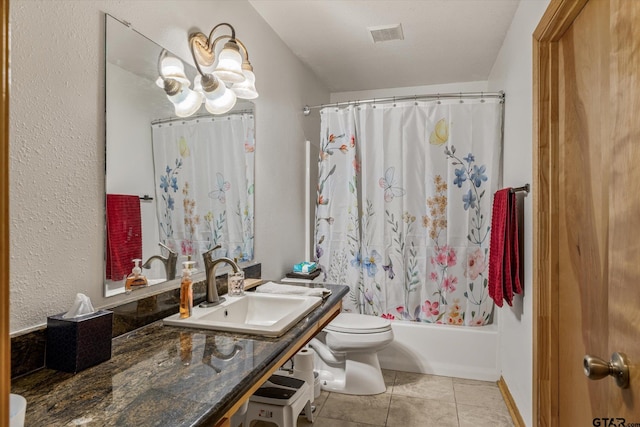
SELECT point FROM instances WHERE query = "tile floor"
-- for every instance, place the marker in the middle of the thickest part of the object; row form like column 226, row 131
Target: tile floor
column 413, row 400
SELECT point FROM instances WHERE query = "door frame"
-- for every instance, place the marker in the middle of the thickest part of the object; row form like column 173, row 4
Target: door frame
column 558, row 17
column 5, row 343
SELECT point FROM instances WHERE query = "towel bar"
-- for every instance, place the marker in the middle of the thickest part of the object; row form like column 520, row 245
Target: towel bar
column 526, row 188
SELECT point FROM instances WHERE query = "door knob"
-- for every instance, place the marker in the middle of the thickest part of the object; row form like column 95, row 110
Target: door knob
column 596, row 368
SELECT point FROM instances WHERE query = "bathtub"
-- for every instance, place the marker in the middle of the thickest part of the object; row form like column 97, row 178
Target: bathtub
column 456, row 351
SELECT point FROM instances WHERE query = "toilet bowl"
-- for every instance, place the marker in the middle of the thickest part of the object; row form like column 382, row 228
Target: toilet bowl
column 347, row 354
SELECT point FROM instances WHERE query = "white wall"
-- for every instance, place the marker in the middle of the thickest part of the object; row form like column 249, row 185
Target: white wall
column 512, row 72
column 57, row 141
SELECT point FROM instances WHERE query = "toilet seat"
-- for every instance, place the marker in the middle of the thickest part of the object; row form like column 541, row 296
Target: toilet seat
column 351, row 323
column 358, row 332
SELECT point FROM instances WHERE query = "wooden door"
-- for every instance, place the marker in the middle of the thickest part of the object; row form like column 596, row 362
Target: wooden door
column 587, row 252
column 624, row 204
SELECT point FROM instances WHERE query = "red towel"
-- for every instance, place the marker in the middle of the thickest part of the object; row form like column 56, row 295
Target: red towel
column 124, row 234
column 504, row 258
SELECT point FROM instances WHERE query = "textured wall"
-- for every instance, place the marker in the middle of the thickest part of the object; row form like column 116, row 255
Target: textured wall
column 57, row 141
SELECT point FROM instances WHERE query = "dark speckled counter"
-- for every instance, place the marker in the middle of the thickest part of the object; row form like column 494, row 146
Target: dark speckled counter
column 162, row 376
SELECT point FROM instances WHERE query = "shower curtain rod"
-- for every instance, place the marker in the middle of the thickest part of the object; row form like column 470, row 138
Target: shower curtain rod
column 434, row 96
column 198, row 116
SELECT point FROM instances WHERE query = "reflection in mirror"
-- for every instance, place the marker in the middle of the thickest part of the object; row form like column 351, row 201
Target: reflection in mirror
column 175, row 187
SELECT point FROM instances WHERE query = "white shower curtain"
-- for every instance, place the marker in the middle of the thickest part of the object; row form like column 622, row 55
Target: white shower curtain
column 404, row 207
column 204, row 185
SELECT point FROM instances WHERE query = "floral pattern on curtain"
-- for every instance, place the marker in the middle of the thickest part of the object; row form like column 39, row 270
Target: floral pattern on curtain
column 204, row 185
column 403, row 212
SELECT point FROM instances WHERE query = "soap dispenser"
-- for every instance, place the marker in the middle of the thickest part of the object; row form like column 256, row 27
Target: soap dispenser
column 186, row 290
column 136, row 279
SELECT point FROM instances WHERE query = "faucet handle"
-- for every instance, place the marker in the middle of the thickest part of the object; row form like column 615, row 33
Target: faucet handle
column 208, row 253
column 171, row 252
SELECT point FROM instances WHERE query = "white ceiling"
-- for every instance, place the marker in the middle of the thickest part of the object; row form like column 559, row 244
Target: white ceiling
column 445, row 41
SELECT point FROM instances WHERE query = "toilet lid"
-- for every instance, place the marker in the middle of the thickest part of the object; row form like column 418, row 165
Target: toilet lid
column 358, row 324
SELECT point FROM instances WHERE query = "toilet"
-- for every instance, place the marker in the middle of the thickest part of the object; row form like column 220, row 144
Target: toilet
column 347, row 354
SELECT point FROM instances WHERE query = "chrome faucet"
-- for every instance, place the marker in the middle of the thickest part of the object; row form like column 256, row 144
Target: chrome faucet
column 210, row 269
column 169, row 262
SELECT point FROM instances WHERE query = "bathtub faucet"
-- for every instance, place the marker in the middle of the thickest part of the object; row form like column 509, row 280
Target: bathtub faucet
column 169, row 262
column 210, row 266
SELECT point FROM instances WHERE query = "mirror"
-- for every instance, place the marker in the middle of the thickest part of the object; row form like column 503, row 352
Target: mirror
column 174, row 187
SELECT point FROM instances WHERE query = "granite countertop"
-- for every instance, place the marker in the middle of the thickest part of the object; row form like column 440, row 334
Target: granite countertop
column 162, row 376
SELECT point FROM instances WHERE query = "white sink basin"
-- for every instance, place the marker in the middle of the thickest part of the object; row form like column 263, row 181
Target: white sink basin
column 269, row 315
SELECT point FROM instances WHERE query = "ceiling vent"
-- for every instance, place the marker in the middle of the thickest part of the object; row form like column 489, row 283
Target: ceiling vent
column 385, row 33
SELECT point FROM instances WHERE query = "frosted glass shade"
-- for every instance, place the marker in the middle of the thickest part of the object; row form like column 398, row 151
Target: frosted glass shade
column 229, row 67
column 218, row 92
column 186, row 102
column 172, row 68
column 222, row 104
column 247, row 88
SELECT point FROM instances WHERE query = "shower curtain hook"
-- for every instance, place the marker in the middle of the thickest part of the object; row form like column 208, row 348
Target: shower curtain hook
column 415, row 100
column 439, row 102
column 394, row 101
column 460, row 97
column 374, row 103
column 482, row 97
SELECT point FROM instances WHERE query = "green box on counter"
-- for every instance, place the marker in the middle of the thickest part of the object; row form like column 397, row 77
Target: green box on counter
column 78, row 343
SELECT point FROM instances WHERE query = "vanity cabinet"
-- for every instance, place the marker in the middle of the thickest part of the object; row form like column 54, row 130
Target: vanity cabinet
column 165, row 375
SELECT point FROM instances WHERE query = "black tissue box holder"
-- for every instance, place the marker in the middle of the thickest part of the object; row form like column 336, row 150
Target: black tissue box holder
column 78, row 343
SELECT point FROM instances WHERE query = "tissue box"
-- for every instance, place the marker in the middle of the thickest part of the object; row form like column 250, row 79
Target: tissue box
column 305, row 267
column 78, row 343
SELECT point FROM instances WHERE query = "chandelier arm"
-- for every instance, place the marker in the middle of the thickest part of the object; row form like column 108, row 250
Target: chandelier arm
column 233, row 32
column 212, row 45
